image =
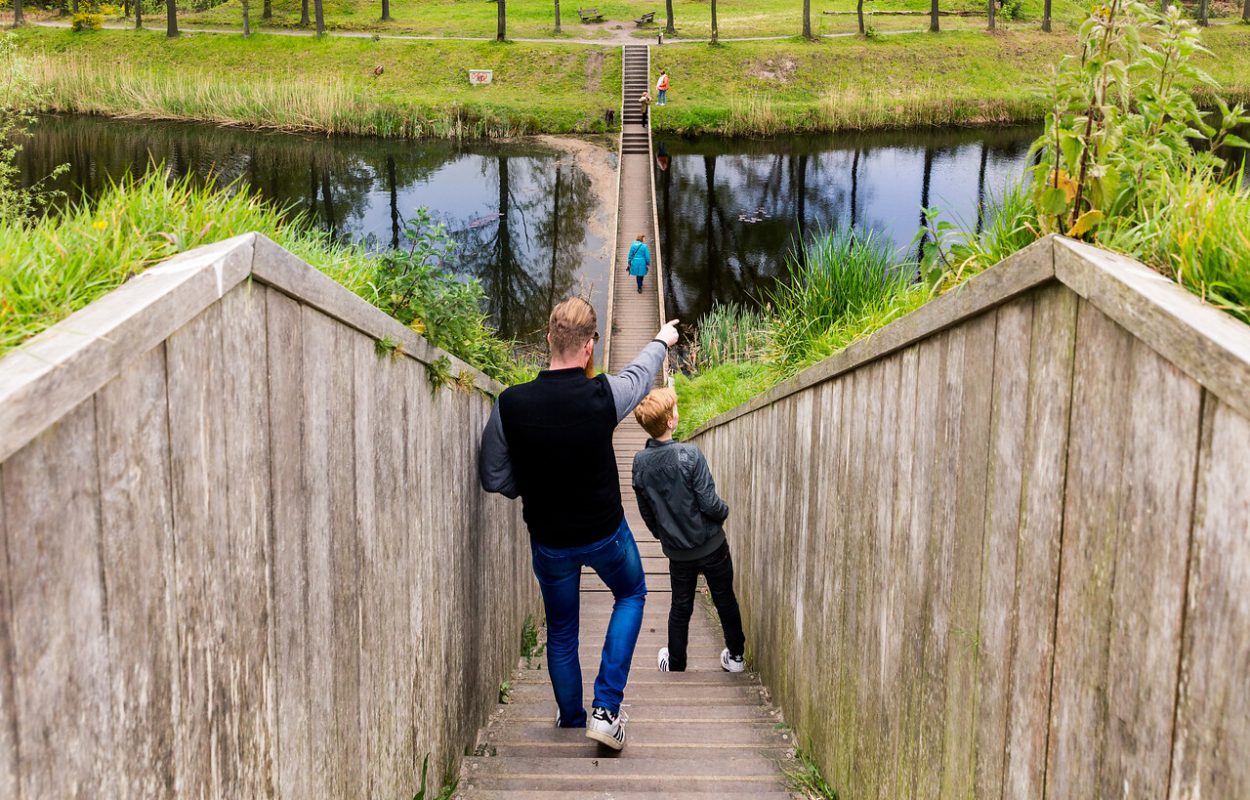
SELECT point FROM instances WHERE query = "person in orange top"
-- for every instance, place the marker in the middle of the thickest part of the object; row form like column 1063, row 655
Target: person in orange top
column 661, row 89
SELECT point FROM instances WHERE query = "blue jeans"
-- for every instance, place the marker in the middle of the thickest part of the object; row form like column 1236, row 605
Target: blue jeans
column 639, row 277
column 663, row 98
column 558, row 570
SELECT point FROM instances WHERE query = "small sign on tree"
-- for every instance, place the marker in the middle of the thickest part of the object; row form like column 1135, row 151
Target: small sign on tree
column 480, row 77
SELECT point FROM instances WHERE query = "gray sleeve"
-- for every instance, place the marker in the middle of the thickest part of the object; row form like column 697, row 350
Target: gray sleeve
column 709, row 502
column 631, row 384
column 494, row 467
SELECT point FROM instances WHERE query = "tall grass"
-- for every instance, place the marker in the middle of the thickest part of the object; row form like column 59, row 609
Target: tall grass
column 839, row 276
column 729, row 334
column 327, row 105
column 53, row 266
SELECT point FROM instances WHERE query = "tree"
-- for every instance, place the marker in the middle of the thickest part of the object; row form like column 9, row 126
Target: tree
column 320, row 14
column 267, row 10
column 557, row 31
column 992, row 6
column 715, row 40
column 386, row 10
column 501, row 28
column 1245, row 11
column 247, row 22
column 138, row 14
column 171, row 18
column 859, row 12
column 933, row 16
column 1202, row 12
column 18, row 19
column 303, row 13
column 807, row 19
column 668, row 26
column 1046, row 16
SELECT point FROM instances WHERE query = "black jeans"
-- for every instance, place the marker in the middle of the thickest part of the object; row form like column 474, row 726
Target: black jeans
column 718, row 568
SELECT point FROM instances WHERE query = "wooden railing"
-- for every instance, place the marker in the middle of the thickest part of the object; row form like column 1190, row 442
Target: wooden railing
column 1000, row 549
column 245, row 552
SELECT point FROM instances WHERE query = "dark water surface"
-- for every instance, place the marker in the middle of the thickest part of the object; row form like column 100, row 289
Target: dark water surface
column 526, row 216
column 730, row 211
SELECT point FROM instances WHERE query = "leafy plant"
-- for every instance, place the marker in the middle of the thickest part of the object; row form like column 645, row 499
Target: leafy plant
column 505, row 692
column 19, row 98
column 806, row 778
column 86, row 21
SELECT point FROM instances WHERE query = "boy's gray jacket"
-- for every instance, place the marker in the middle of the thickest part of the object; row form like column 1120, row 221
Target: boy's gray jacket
column 678, row 501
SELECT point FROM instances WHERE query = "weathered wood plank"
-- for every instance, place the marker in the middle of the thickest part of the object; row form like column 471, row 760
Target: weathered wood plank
column 1015, row 275
column 1152, row 562
column 1210, row 346
column 333, row 614
column 10, row 783
column 1037, row 548
column 976, row 378
column 1212, row 727
column 1093, row 495
column 1005, row 457
column 51, row 374
column 137, row 553
column 294, row 768
column 60, row 647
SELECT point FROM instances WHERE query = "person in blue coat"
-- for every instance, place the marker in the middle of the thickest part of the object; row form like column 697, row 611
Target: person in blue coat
column 639, row 259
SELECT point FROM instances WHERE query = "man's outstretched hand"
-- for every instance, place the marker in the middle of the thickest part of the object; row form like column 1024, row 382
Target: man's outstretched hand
column 668, row 334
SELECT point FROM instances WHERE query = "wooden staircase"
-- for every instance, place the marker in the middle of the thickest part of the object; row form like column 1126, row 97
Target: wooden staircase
column 696, row 735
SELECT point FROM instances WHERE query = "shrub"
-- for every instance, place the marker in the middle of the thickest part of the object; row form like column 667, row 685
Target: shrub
column 86, row 21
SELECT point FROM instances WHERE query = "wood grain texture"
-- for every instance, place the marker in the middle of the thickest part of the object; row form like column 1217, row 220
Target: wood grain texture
column 137, row 553
column 1212, row 729
column 61, row 668
column 10, row 783
column 51, row 374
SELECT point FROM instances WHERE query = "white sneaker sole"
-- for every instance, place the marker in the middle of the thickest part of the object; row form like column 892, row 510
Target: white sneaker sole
column 605, row 739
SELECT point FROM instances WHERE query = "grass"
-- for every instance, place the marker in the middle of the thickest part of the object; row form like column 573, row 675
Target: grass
column 744, row 88
column 53, row 266
column 327, row 85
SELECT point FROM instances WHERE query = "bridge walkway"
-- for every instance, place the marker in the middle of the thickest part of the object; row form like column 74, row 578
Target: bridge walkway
column 696, row 735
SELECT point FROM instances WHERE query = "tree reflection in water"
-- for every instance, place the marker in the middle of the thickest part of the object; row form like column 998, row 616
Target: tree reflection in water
column 521, row 214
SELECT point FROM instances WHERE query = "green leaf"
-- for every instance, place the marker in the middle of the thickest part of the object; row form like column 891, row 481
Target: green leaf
column 1053, row 201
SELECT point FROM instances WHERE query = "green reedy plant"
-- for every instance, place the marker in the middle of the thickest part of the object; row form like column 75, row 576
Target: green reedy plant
column 729, row 334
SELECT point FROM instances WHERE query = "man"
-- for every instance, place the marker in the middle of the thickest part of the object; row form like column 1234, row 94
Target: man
column 550, row 442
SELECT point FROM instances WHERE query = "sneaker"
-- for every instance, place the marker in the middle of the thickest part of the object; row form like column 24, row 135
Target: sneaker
column 607, row 728
column 663, row 659
column 731, row 663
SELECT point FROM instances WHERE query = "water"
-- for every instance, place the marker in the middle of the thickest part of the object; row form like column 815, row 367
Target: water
column 731, row 211
column 532, row 219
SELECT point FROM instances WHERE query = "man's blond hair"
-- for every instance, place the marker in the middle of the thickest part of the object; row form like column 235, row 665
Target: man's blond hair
column 572, row 323
column 655, row 410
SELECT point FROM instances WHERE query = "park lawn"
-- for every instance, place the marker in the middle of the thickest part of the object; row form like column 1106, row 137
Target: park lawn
column 956, row 78
column 304, row 83
column 535, row 18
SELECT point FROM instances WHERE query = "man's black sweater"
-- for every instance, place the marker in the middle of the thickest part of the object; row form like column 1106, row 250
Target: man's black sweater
column 550, row 441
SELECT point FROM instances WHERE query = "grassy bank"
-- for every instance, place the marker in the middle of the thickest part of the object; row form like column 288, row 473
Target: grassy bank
column 328, row 85
column 52, row 266
column 743, row 88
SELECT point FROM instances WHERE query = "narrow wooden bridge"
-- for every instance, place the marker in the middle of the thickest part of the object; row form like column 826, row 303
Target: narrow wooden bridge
column 700, row 734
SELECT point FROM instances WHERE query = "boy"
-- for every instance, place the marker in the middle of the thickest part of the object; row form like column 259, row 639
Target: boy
column 678, row 501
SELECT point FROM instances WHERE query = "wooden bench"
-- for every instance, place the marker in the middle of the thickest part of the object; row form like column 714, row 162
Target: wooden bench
column 590, row 15
column 645, row 19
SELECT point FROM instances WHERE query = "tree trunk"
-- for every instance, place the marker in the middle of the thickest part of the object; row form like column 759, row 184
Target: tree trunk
column 501, row 29
column 992, row 5
column 555, row 244
column 1046, row 16
column 933, row 16
column 715, row 40
column 985, row 157
column 1166, row 4
column 247, row 22
column 138, row 14
column 807, row 19
column 670, row 29
column 386, row 10
column 303, row 13
column 18, row 16
column 557, row 16
column 390, row 175
column 1245, row 11
column 1202, row 12
column 126, row 9
column 854, row 188
column 859, row 12
column 267, row 10
column 319, row 13
column 171, row 18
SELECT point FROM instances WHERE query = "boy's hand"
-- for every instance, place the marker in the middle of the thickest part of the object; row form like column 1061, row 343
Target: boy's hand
column 668, row 334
